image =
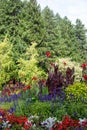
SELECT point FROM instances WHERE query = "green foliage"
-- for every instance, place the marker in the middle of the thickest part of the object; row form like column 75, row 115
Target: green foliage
column 6, row 62
column 80, row 41
column 28, row 66
column 79, row 90
column 76, row 109
column 23, row 22
column 7, row 105
column 41, row 109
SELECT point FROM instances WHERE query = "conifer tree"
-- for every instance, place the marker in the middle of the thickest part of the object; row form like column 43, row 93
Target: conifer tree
column 7, row 67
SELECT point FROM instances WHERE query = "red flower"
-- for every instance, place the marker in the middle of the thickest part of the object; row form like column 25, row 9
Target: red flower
column 21, row 120
column 7, row 129
column 84, row 123
column 48, row 54
column 26, row 88
column 27, row 125
column 11, row 118
column 64, row 63
column 85, row 77
column 34, row 78
column 84, row 65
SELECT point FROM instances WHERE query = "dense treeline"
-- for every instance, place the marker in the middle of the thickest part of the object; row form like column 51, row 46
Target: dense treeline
column 23, row 22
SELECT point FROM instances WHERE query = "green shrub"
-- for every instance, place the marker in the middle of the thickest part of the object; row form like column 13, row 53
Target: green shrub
column 77, row 109
column 28, row 66
column 41, row 109
column 79, row 90
column 7, row 68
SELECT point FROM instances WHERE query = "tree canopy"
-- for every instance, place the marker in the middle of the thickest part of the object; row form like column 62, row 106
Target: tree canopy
column 23, row 22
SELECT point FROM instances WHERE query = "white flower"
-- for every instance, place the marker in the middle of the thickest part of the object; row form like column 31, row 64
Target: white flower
column 49, row 122
column 82, row 120
column 0, row 117
column 31, row 118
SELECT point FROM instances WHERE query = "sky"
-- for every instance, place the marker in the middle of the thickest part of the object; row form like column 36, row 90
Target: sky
column 73, row 9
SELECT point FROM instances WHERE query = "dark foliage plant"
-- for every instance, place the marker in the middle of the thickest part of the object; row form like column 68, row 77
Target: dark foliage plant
column 57, row 81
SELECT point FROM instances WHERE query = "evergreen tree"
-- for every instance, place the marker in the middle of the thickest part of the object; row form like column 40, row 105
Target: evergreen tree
column 7, row 66
column 32, row 23
column 66, row 39
column 28, row 66
column 9, row 18
column 81, row 41
column 49, row 42
column 10, row 10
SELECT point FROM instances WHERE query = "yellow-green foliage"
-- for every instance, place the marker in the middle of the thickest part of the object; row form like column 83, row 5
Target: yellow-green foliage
column 28, row 66
column 77, row 89
column 71, row 64
column 6, row 62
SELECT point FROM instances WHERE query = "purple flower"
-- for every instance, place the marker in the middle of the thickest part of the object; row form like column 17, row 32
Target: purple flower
column 14, row 97
column 1, row 99
column 80, row 128
column 9, row 99
column 12, row 109
column 0, row 127
column 19, row 95
column 1, row 114
column 75, row 114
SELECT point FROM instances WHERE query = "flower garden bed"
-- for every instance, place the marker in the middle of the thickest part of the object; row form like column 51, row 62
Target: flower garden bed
column 23, row 107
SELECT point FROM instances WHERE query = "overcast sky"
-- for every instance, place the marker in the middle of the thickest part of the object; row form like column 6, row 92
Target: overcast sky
column 73, row 9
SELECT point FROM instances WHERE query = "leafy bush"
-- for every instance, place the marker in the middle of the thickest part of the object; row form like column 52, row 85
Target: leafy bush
column 67, row 62
column 78, row 90
column 41, row 109
column 7, row 68
column 76, row 109
column 28, row 66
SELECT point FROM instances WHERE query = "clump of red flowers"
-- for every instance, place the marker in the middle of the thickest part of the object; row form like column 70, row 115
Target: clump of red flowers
column 34, row 78
column 68, row 122
column 21, row 120
column 7, row 129
column 84, row 65
column 48, row 54
column 85, row 77
column 26, row 87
